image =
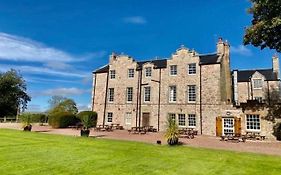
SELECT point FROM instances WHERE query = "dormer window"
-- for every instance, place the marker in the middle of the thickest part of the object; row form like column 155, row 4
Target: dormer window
column 173, row 70
column 257, row 83
column 112, row 74
column 148, row 71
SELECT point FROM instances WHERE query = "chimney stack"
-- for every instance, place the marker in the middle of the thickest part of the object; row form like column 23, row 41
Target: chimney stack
column 275, row 65
column 220, row 46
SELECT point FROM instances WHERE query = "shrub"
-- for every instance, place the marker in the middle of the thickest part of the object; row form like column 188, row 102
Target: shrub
column 277, row 131
column 62, row 119
column 39, row 118
column 172, row 132
column 25, row 119
column 88, row 118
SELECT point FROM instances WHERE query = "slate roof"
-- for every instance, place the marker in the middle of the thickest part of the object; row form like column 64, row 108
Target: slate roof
column 244, row 75
column 103, row 69
column 158, row 64
column 209, row 59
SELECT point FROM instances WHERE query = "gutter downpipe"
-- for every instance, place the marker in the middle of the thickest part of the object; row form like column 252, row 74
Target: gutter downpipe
column 137, row 106
column 105, row 99
column 201, row 123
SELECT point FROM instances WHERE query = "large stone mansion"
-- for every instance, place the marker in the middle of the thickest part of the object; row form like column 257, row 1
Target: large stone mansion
column 198, row 90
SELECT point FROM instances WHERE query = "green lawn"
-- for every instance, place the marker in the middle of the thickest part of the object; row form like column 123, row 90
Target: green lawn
column 36, row 153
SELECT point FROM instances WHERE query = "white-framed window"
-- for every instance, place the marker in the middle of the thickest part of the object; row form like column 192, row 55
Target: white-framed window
column 128, row 118
column 253, row 122
column 172, row 115
column 131, row 73
column 172, row 93
column 181, row 119
column 112, row 74
column 173, row 70
column 192, row 69
column 192, row 120
column 257, row 83
column 147, row 91
column 259, row 99
column 129, row 94
column 111, row 94
column 148, row 71
column 191, row 97
column 109, row 117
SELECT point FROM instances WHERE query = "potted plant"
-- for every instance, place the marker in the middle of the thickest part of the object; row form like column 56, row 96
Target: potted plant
column 88, row 119
column 25, row 118
column 172, row 132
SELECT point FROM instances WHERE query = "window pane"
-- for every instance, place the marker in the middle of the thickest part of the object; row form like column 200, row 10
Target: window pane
column 181, row 119
column 112, row 74
column 111, row 94
column 172, row 93
column 128, row 118
column 131, row 73
column 129, row 94
column 257, row 83
column 192, row 68
column 191, row 120
column 109, row 117
column 173, row 116
column 148, row 71
column 191, row 93
column 173, row 70
column 147, row 93
column 253, row 122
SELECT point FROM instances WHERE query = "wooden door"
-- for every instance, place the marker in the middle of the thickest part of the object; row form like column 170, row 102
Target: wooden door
column 145, row 119
column 237, row 126
column 219, row 126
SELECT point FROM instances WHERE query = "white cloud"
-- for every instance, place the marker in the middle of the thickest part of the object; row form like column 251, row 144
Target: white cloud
column 44, row 70
column 83, row 107
column 17, row 48
column 241, row 50
column 135, row 20
column 32, row 79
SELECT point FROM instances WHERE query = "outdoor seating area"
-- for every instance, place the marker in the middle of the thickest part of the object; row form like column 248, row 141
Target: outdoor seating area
column 142, row 130
column 109, row 128
column 254, row 136
column 188, row 133
column 242, row 138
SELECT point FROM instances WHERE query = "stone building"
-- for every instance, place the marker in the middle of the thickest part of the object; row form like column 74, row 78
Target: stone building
column 198, row 90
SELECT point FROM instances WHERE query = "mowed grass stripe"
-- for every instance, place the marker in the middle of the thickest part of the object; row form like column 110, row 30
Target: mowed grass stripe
column 37, row 153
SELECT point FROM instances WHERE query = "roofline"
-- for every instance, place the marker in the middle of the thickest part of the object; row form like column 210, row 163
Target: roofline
column 252, row 69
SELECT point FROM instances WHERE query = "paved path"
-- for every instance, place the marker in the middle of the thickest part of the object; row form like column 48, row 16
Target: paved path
column 263, row 147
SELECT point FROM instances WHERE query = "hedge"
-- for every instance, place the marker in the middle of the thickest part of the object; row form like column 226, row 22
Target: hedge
column 62, row 119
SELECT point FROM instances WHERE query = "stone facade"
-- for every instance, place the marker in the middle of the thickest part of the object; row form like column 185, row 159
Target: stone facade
column 196, row 89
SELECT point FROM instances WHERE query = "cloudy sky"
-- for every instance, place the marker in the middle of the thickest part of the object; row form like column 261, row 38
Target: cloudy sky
column 57, row 44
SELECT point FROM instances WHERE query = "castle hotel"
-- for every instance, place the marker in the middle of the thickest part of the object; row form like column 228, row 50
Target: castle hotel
column 198, row 90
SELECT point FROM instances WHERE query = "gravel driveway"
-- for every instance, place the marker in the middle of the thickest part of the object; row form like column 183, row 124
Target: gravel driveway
column 264, row 147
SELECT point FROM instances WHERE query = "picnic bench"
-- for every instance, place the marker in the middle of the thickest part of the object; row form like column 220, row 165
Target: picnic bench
column 188, row 133
column 233, row 138
column 137, row 130
column 254, row 136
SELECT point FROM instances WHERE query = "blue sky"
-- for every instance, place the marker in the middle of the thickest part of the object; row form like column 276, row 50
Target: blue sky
column 57, row 44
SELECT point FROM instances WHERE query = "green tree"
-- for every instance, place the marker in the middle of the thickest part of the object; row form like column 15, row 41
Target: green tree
column 12, row 93
column 265, row 30
column 67, row 105
column 56, row 100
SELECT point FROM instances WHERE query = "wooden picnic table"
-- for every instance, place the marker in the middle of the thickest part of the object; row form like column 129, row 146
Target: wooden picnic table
column 187, row 133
